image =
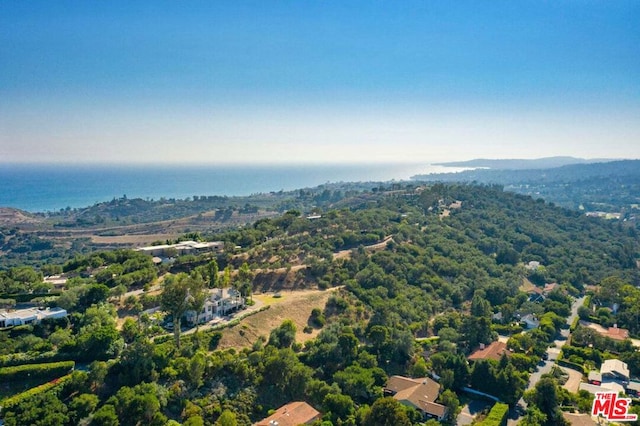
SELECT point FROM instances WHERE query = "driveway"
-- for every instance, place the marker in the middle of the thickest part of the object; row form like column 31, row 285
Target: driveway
column 573, row 383
column 545, row 366
column 470, row 411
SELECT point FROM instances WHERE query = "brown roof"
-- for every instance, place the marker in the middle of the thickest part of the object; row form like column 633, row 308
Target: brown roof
column 617, row 333
column 493, row 351
column 579, row 419
column 292, row 414
column 536, row 290
column 420, row 392
column 399, row 383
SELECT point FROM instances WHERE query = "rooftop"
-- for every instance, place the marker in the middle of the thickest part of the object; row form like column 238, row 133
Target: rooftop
column 617, row 333
column 292, row 414
column 614, row 366
column 494, row 351
column 420, row 392
column 579, row 419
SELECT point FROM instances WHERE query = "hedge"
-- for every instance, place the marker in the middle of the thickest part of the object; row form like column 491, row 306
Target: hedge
column 497, row 416
column 13, row 400
column 33, row 358
column 35, row 371
column 571, row 365
column 27, row 297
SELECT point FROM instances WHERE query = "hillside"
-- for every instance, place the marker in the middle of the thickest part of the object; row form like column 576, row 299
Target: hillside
column 612, row 186
column 517, row 164
column 406, row 272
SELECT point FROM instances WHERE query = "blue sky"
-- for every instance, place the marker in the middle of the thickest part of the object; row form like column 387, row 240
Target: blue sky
column 323, row 81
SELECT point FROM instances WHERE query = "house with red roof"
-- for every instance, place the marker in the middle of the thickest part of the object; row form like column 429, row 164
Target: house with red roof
column 292, row 414
column 493, row 351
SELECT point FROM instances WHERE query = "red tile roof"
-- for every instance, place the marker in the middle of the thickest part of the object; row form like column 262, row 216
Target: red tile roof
column 617, row 333
column 493, row 351
column 292, row 414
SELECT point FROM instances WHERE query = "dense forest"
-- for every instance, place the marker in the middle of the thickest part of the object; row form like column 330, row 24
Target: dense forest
column 421, row 277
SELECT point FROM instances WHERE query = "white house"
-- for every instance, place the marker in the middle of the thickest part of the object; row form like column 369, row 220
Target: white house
column 220, row 302
column 530, row 321
column 184, row 247
column 29, row 316
column 614, row 369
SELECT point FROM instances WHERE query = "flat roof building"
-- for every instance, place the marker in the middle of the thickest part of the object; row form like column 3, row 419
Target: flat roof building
column 29, row 316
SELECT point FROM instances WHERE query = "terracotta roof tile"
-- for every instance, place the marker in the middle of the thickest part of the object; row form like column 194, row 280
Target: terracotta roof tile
column 292, row 414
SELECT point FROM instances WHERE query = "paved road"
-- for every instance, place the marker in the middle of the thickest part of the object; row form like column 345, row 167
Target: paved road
column 545, row 366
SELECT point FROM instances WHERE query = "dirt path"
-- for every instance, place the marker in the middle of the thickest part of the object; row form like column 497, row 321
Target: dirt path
column 345, row 254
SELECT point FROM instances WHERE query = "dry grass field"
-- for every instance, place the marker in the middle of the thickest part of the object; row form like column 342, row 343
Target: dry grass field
column 293, row 305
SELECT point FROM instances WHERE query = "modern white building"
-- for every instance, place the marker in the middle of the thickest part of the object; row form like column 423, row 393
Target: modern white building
column 220, row 302
column 182, row 248
column 29, row 316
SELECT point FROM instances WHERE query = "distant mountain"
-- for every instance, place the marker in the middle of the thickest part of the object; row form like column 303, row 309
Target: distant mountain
column 607, row 186
column 522, row 164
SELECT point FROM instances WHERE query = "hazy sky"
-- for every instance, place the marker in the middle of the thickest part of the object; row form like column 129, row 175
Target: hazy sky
column 318, row 81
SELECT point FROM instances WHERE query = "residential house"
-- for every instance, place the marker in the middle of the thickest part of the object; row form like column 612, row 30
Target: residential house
column 532, row 265
column 29, row 316
column 613, row 376
column 493, row 351
column 58, row 282
column 633, row 389
column 537, row 294
column 549, row 287
column 182, row 248
column 292, row 414
column 614, row 369
column 420, row 393
column 579, row 419
column 530, row 321
column 221, row 302
column 605, row 387
column 616, row 333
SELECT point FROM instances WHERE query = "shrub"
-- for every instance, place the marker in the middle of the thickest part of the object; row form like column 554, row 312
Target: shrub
column 497, row 416
column 11, row 401
column 32, row 371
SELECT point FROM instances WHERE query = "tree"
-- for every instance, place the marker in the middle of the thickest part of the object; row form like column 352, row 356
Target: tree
column 545, row 398
column 130, row 330
column 81, row 406
column 177, row 298
column 199, row 296
column 227, row 418
column 387, row 412
column 533, row 417
column 338, row 406
column 226, row 278
column 283, row 336
column 212, row 269
column 245, row 280
column 105, row 416
column 196, row 368
column 449, row 399
column 359, row 383
column 137, row 363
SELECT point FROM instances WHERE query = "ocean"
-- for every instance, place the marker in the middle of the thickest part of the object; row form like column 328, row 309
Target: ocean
column 49, row 187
